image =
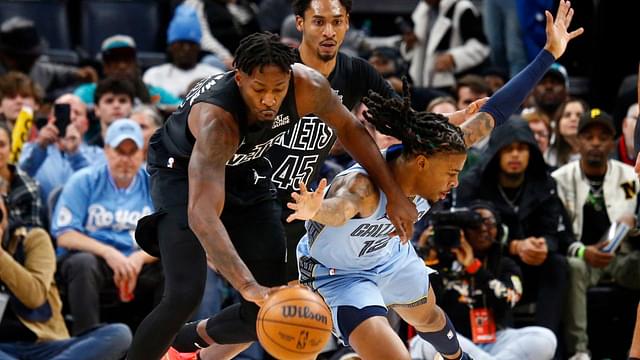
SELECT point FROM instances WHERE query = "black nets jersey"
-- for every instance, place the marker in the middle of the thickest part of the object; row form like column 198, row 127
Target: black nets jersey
column 247, row 172
column 299, row 154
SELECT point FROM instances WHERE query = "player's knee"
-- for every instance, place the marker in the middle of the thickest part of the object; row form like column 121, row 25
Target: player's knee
column 431, row 319
column 349, row 317
column 183, row 300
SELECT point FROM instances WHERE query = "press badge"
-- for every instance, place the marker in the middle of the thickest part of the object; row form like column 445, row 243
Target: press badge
column 4, row 300
column 483, row 326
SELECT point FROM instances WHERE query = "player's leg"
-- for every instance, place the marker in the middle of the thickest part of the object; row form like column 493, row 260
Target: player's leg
column 184, row 266
column 405, row 287
column 262, row 247
column 372, row 338
column 432, row 324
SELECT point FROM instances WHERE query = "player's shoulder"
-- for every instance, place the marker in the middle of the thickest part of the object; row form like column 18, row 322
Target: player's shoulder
column 359, row 183
column 307, row 77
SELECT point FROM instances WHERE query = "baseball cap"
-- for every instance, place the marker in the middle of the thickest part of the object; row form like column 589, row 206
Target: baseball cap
column 124, row 129
column 19, row 36
column 118, row 46
column 596, row 117
column 559, row 72
column 184, row 26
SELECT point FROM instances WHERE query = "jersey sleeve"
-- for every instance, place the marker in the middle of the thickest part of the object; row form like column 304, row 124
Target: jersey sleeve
column 71, row 209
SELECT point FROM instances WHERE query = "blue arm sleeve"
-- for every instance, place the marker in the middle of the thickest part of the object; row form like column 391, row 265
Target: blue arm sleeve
column 77, row 160
column 32, row 158
column 507, row 100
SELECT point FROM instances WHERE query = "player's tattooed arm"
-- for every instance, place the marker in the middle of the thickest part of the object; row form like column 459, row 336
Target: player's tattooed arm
column 479, row 126
column 350, row 197
column 217, row 138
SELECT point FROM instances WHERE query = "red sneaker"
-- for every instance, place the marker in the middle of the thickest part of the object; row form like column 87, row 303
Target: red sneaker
column 173, row 354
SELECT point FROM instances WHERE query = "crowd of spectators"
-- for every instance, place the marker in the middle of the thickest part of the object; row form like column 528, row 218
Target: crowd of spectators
column 548, row 185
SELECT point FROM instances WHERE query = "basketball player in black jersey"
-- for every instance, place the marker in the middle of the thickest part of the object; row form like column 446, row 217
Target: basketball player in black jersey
column 210, row 188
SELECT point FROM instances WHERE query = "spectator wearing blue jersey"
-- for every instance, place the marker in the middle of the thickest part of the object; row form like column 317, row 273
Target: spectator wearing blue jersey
column 94, row 222
column 51, row 159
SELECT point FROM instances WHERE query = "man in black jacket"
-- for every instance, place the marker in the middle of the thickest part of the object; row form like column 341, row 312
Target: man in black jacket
column 512, row 175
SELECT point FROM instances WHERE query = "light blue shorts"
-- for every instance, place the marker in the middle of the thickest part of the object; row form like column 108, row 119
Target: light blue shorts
column 402, row 280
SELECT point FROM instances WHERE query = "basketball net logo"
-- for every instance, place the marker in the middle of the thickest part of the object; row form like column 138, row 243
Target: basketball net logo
column 302, row 340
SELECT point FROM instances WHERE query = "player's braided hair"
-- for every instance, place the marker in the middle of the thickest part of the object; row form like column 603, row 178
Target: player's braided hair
column 421, row 132
column 260, row 49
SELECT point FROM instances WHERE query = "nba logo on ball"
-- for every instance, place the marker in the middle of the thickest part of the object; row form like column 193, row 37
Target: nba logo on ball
column 294, row 323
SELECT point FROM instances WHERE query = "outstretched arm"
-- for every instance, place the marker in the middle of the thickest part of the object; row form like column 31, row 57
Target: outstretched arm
column 350, row 196
column 217, row 138
column 507, row 100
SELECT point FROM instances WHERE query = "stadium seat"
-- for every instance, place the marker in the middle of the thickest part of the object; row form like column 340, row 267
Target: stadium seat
column 49, row 16
column 102, row 18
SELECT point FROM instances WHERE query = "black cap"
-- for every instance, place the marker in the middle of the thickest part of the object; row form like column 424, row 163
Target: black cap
column 19, row 36
column 596, row 117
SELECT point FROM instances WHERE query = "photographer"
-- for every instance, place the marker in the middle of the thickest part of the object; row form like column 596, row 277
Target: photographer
column 31, row 325
column 55, row 154
column 481, row 284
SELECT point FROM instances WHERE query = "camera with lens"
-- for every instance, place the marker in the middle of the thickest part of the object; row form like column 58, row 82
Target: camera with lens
column 448, row 223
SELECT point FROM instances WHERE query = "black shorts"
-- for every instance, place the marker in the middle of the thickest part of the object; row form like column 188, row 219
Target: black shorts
column 255, row 230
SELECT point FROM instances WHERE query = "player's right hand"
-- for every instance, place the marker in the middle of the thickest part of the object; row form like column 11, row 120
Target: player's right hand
column 403, row 214
column 256, row 293
column 307, row 203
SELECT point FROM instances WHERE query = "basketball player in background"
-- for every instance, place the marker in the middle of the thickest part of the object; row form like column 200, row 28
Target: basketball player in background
column 209, row 157
column 350, row 255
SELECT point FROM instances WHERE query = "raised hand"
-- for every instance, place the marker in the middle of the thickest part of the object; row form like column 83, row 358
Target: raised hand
column 307, row 203
column 557, row 31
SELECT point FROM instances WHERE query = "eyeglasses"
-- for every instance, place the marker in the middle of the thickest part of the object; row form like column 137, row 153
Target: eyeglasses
column 489, row 221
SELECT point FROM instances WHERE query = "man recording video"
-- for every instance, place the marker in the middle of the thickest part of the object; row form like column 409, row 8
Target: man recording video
column 479, row 287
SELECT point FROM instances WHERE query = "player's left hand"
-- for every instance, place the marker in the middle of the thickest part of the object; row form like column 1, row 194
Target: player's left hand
column 307, row 203
column 557, row 35
column 403, row 214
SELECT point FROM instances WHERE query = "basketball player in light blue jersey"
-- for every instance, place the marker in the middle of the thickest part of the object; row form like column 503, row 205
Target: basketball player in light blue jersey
column 350, row 254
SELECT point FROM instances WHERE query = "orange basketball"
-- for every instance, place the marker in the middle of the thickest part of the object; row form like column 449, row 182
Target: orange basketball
column 294, row 324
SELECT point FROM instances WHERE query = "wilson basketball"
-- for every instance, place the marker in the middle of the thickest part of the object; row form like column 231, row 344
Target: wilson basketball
column 294, row 324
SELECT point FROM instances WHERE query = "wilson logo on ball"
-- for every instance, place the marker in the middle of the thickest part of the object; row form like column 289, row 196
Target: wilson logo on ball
column 302, row 312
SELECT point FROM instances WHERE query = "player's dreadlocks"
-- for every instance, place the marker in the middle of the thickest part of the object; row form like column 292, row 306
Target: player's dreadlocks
column 421, row 132
column 260, row 49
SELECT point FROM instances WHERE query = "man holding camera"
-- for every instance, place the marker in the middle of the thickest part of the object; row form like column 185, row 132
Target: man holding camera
column 59, row 149
column 596, row 192
column 513, row 176
column 480, row 288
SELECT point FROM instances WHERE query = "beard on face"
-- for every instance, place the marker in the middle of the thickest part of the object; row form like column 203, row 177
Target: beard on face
column 326, row 57
column 595, row 160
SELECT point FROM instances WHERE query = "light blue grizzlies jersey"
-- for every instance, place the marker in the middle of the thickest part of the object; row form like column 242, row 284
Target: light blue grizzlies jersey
column 361, row 243
column 91, row 204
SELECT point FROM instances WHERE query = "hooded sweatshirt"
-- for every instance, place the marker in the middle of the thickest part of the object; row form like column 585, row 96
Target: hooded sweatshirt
column 537, row 210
